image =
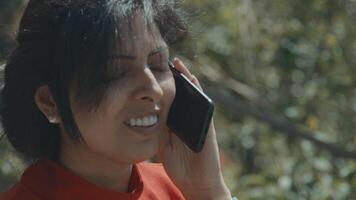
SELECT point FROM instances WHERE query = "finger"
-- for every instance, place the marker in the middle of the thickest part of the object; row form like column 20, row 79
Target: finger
column 196, row 82
column 182, row 68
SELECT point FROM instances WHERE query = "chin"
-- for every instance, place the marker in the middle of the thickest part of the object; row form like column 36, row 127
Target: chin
column 142, row 153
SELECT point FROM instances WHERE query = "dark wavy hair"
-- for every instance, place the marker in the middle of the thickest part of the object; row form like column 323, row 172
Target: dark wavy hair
column 63, row 40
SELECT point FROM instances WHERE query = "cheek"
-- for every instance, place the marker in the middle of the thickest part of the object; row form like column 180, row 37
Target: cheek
column 100, row 120
column 114, row 100
column 169, row 90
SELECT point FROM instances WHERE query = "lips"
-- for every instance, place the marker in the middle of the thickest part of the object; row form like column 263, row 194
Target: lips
column 145, row 121
column 144, row 133
column 145, row 124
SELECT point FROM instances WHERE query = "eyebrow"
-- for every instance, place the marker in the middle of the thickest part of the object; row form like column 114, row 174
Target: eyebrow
column 133, row 57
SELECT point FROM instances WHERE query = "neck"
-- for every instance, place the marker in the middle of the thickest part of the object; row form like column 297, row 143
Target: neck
column 95, row 167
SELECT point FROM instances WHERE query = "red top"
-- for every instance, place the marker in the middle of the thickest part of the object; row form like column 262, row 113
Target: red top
column 47, row 180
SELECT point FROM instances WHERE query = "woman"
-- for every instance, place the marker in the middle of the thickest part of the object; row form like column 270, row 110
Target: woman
column 87, row 93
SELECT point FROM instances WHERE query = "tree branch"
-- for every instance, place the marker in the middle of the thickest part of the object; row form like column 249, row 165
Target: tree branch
column 230, row 100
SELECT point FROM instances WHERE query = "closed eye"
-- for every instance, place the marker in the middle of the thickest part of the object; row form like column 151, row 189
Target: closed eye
column 159, row 68
column 115, row 77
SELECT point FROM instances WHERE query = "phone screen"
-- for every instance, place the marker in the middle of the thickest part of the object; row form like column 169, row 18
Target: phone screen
column 190, row 113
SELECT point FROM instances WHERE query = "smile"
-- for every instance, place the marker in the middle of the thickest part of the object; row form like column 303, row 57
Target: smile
column 146, row 121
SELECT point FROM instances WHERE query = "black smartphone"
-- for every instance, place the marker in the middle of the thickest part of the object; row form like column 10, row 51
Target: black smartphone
column 190, row 113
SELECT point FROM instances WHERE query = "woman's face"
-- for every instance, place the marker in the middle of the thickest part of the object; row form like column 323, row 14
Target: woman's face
column 128, row 123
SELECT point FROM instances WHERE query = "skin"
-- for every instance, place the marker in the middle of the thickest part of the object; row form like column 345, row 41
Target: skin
column 111, row 147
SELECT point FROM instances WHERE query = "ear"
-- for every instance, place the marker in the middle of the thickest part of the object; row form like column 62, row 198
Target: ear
column 45, row 102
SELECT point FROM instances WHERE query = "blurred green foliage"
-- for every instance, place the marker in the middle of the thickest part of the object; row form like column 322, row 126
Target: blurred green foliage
column 299, row 56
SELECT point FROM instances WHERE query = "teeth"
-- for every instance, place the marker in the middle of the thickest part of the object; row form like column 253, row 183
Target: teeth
column 138, row 122
column 144, row 121
column 132, row 122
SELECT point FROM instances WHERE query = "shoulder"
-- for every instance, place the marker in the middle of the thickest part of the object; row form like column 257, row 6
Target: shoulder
column 156, row 179
column 18, row 192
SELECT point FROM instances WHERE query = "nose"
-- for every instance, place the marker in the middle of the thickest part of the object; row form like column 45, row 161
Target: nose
column 148, row 88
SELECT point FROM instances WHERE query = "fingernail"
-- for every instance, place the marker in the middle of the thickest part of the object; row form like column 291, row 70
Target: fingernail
column 176, row 59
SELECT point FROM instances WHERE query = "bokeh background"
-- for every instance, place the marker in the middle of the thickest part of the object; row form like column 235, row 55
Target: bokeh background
column 283, row 76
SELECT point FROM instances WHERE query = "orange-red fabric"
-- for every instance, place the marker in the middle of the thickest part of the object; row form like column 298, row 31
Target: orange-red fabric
column 47, row 180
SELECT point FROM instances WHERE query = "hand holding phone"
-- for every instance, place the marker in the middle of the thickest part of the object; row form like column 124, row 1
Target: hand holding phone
column 190, row 113
column 197, row 175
